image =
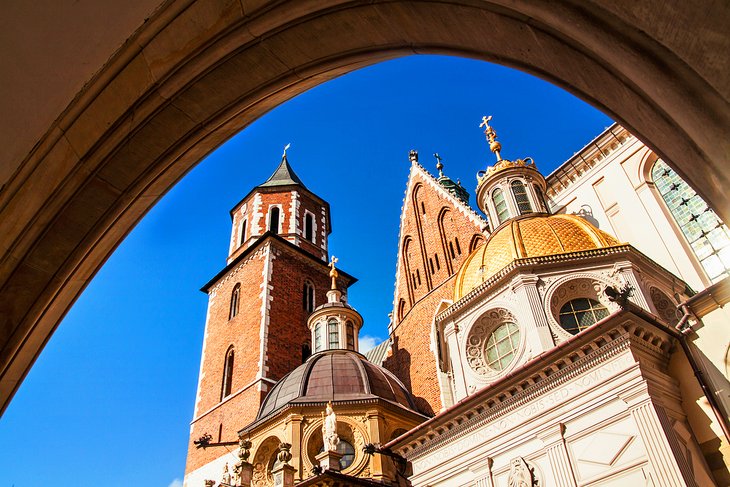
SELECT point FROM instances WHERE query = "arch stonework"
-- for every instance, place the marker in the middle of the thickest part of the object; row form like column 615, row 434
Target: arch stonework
column 198, row 71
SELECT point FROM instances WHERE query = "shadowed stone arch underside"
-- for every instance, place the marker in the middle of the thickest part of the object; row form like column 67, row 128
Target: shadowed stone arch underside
column 199, row 71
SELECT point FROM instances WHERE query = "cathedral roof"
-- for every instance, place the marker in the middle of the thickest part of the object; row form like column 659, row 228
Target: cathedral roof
column 336, row 375
column 283, row 176
column 535, row 235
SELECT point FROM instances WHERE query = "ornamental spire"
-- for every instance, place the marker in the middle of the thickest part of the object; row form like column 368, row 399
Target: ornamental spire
column 491, row 134
column 333, row 273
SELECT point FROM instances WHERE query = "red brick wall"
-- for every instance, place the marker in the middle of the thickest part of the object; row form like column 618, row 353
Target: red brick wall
column 434, row 225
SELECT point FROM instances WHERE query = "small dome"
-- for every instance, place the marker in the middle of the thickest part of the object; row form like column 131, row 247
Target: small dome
column 336, row 375
column 533, row 236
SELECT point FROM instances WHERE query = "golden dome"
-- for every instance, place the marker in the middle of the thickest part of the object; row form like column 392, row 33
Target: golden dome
column 534, row 236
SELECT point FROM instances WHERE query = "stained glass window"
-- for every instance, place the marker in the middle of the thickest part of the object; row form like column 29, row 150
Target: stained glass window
column 520, row 193
column 501, row 345
column 500, row 205
column 705, row 232
column 579, row 314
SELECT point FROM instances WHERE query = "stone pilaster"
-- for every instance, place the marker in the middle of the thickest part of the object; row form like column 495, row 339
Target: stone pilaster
column 539, row 337
column 557, row 453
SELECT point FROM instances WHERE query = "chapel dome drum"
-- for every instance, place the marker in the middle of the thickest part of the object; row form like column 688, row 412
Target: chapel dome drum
column 336, row 375
column 534, row 235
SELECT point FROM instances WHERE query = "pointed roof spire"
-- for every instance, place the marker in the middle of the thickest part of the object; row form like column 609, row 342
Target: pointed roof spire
column 284, row 174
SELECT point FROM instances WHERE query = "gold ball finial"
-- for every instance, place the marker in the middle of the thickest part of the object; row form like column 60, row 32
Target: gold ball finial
column 491, row 134
column 333, row 272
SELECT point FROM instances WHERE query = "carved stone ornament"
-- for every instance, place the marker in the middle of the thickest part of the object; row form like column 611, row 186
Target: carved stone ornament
column 521, row 474
column 284, row 454
column 477, row 340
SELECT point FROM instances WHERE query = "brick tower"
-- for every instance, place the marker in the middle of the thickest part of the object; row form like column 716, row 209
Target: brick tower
column 256, row 326
column 438, row 230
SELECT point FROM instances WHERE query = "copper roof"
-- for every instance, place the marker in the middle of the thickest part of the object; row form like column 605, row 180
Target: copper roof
column 336, row 375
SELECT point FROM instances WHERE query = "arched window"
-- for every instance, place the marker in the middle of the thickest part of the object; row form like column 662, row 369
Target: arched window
column 242, row 237
column 309, row 227
column 350, row 330
column 500, row 206
column 274, row 219
column 235, row 295
column 317, row 337
column 705, row 232
column 334, row 335
column 520, row 193
column 308, row 297
column 227, row 374
column 401, row 309
column 578, row 314
column 541, row 198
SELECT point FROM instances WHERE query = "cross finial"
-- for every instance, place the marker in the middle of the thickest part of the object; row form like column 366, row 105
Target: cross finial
column 333, row 271
column 491, row 134
column 286, row 148
column 439, row 164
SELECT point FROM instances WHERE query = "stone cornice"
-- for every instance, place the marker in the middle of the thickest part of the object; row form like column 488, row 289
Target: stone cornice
column 608, row 338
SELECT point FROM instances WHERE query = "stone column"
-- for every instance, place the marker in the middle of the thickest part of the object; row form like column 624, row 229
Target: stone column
column 294, row 425
column 452, row 341
column 539, row 337
column 557, row 453
column 669, row 467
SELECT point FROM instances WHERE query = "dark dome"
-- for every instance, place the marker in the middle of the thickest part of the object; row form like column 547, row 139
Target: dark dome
column 336, row 375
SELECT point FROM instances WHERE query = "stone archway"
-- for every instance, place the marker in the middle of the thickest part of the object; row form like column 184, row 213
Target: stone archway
column 201, row 70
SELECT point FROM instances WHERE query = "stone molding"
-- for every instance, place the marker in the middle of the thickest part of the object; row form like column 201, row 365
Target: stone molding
column 509, row 397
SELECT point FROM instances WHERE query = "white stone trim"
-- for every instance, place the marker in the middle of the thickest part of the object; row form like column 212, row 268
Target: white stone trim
column 257, row 215
column 266, row 299
column 294, row 228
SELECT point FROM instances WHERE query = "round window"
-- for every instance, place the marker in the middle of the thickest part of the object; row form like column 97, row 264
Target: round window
column 501, row 346
column 493, row 343
column 578, row 314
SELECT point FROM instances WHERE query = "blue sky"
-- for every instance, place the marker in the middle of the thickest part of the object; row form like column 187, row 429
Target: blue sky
column 110, row 399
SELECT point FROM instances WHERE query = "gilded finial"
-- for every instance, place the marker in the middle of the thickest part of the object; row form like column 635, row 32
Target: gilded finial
column 489, row 131
column 286, row 148
column 333, row 272
column 439, row 164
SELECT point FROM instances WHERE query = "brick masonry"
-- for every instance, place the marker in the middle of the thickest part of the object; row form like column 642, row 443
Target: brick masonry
column 436, row 235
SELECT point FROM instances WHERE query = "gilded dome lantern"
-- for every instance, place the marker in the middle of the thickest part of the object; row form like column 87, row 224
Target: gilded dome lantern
column 509, row 188
column 334, row 324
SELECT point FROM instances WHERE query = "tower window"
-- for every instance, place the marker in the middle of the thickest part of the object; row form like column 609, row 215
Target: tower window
column 430, row 261
column 458, row 247
column 334, row 336
column 705, row 232
column 317, row 337
column 423, row 208
column 418, row 276
column 541, row 198
column 500, row 205
column 308, row 297
column 235, row 295
column 579, row 314
column 274, row 219
column 451, row 248
column 242, row 237
column 309, row 227
column 520, row 193
column 227, row 374
column 350, row 330
column 401, row 309
column 438, row 264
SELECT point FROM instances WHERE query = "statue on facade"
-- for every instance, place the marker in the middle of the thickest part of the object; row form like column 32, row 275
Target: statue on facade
column 226, row 478
column 413, row 156
column 520, row 474
column 329, row 430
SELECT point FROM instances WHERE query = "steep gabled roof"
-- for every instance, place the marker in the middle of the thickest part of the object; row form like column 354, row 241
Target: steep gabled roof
column 283, row 176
